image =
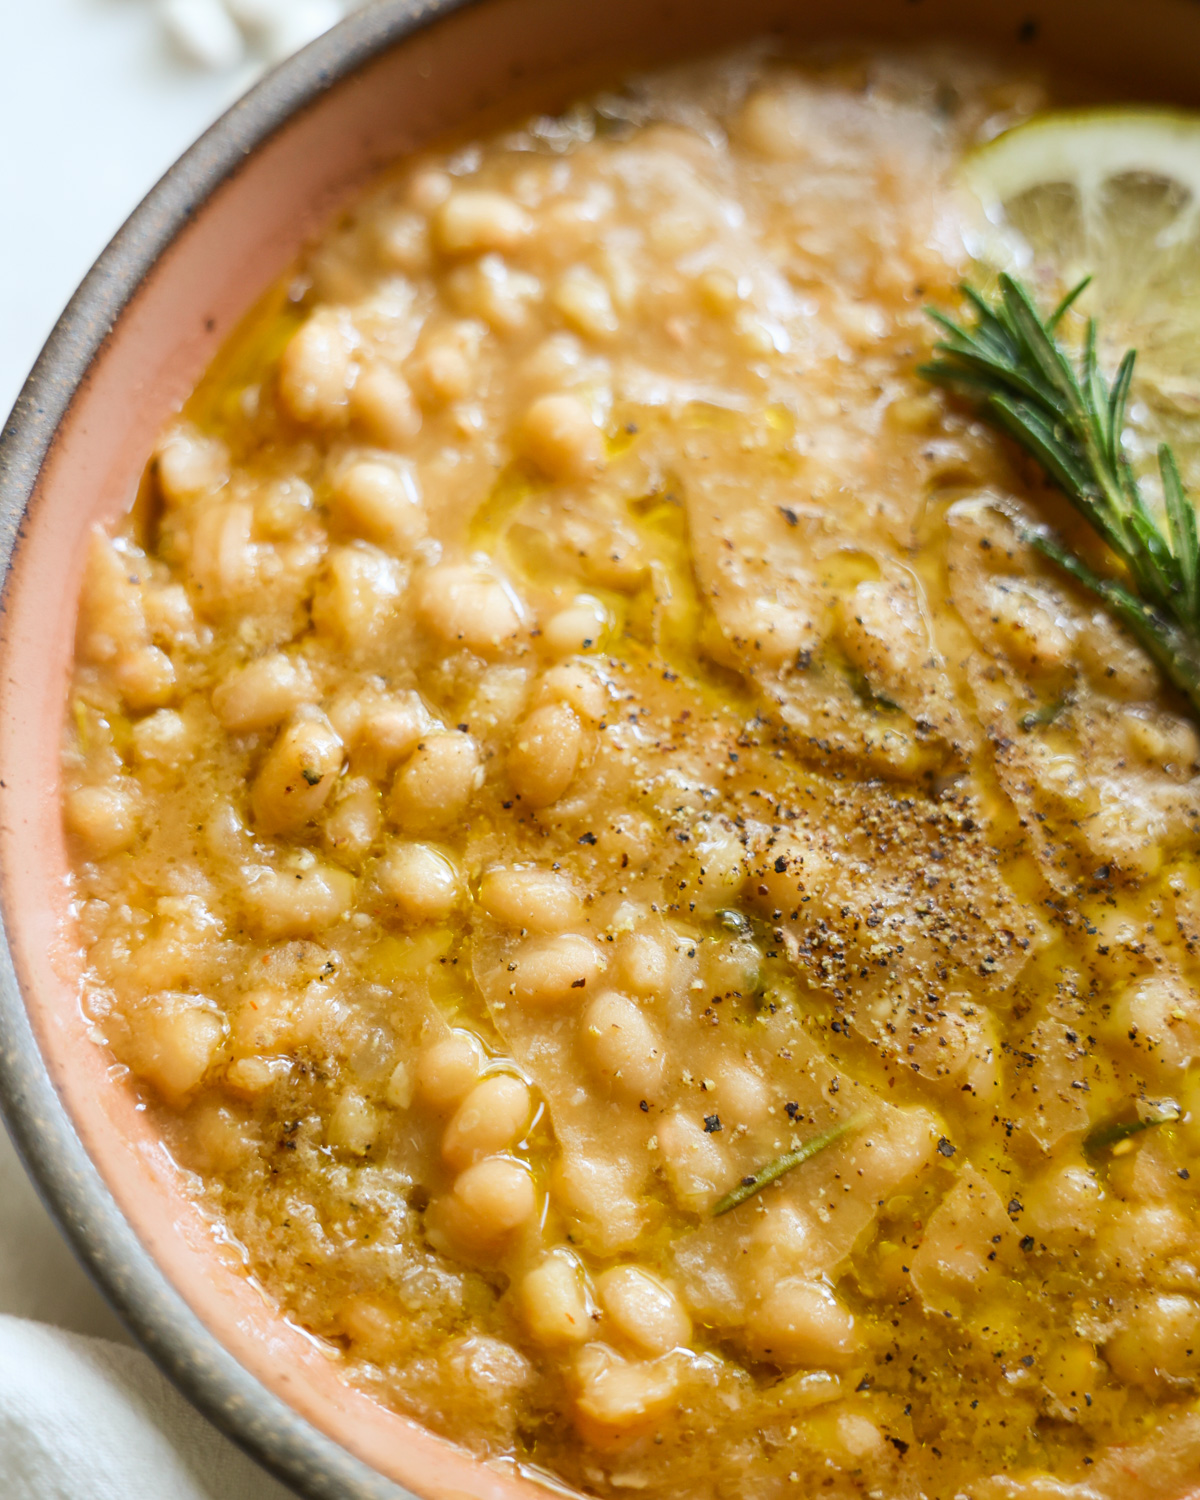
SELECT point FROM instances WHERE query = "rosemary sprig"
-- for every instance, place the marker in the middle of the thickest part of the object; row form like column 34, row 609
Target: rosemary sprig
column 1012, row 365
column 775, row 1169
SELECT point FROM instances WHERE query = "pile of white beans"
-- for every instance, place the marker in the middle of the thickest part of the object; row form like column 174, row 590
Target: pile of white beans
column 222, row 34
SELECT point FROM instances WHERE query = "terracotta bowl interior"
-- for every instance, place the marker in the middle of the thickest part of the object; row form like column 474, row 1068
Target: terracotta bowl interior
column 471, row 62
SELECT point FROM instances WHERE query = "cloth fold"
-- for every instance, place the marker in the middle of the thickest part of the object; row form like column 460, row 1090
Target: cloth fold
column 85, row 1419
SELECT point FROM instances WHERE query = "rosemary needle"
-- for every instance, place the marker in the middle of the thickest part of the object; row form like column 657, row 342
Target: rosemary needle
column 1010, row 362
column 775, row 1169
column 1037, row 718
column 1112, row 1132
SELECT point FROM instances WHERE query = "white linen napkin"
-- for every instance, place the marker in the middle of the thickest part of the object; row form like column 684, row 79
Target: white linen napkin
column 85, row 1419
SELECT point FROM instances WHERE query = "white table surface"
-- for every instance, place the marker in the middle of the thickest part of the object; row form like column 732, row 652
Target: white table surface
column 95, row 106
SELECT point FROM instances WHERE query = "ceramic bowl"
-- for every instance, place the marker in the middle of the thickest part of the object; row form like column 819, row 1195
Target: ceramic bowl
column 218, row 229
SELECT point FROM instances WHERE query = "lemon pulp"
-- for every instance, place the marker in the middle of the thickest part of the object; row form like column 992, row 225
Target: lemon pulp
column 1113, row 194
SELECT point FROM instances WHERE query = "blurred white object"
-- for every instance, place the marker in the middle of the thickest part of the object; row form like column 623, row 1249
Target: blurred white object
column 216, row 34
column 82, row 1419
column 258, row 15
column 204, row 32
column 298, row 23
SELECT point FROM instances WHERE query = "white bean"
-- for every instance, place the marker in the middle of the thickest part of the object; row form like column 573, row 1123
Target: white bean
column 385, row 408
column 434, row 787
column 549, row 971
column 381, row 502
column 560, row 436
column 178, row 1037
column 530, row 900
column 315, row 371
column 643, row 1310
column 579, row 627
column 622, row 1046
column 489, row 1202
column 103, row 818
column 802, row 1322
column 447, row 1070
column 545, row 754
column 554, row 1303
column 298, row 774
column 420, row 881
column 487, row 1121
column 472, row 220
column 262, row 692
column 468, row 607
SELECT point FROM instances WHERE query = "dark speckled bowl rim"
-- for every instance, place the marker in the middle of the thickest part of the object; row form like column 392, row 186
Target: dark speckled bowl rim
column 40, row 1127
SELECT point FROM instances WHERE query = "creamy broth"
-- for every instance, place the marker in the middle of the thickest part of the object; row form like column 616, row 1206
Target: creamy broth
column 571, row 720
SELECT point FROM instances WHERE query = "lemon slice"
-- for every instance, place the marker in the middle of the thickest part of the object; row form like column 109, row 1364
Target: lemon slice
column 1113, row 194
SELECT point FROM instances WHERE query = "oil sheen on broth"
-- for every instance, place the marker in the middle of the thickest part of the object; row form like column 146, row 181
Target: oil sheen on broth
column 569, row 719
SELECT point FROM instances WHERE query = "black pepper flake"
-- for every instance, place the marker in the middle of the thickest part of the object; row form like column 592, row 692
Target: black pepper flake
column 311, row 776
column 791, row 1109
column 945, row 1147
column 578, row 984
column 1027, row 1243
column 864, row 1384
column 1027, row 1361
column 780, row 865
column 587, row 838
column 712, row 1123
column 899, row 1444
column 643, row 1106
column 789, row 515
column 1184, row 1173
column 1015, row 1206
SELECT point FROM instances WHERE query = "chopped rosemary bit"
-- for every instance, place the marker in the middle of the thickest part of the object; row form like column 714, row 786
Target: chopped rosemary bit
column 1037, row 718
column 1012, row 365
column 776, row 1169
column 868, row 695
column 1110, row 1133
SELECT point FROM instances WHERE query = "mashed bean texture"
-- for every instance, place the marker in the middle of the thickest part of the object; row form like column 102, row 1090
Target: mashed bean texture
column 569, row 719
